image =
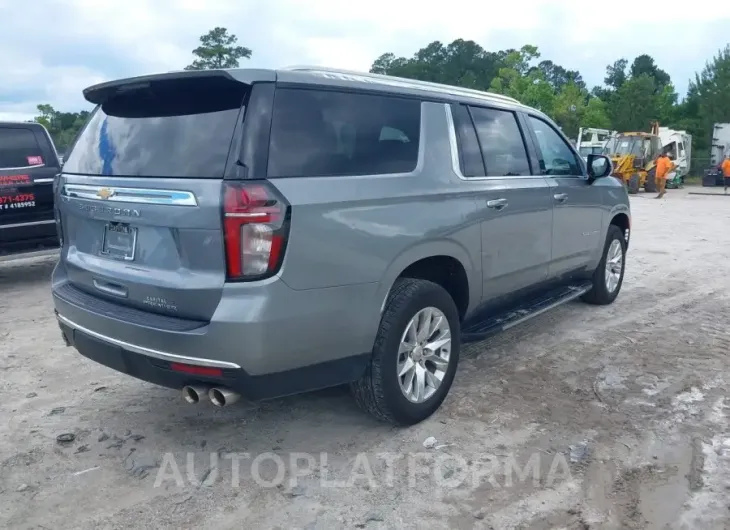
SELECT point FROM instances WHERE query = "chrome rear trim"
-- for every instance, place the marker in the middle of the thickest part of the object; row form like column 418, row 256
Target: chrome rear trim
column 164, row 356
column 135, row 195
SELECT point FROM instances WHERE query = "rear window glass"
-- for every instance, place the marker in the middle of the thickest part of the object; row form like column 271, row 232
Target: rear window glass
column 325, row 133
column 19, row 148
column 166, row 129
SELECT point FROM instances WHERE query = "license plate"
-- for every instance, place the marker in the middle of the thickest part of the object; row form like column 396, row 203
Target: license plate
column 120, row 241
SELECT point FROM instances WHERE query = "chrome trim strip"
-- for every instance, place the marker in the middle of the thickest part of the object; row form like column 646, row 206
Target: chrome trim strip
column 577, row 291
column 149, row 352
column 135, row 195
column 42, row 181
column 32, row 223
column 22, row 168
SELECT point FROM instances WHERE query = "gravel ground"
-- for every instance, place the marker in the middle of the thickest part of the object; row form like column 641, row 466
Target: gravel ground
column 611, row 417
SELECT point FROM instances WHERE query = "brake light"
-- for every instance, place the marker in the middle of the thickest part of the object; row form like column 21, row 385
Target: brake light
column 256, row 227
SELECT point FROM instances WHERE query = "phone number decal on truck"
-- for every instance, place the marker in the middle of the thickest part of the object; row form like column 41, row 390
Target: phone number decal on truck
column 20, row 200
column 9, row 181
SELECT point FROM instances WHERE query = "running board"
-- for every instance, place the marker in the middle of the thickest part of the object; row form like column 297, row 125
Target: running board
column 476, row 330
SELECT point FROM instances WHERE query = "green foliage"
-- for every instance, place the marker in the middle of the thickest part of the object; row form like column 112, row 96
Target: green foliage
column 218, row 49
column 708, row 99
column 633, row 95
column 62, row 126
column 634, row 105
column 462, row 63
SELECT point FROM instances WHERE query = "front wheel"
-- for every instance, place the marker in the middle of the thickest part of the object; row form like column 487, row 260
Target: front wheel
column 415, row 355
column 609, row 275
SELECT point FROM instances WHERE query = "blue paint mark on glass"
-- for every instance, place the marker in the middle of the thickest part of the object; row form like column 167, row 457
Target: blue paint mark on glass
column 106, row 149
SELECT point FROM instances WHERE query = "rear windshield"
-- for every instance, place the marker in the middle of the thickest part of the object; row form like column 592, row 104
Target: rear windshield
column 318, row 133
column 180, row 129
column 19, row 148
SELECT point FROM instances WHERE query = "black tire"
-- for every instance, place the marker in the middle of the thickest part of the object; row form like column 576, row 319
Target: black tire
column 378, row 391
column 650, row 185
column 599, row 294
column 634, row 183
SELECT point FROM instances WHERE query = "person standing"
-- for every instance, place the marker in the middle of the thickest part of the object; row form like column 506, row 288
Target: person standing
column 726, row 171
column 663, row 166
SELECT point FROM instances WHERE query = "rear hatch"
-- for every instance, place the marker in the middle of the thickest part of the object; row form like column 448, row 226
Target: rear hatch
column 140, row 194
column 28, row 164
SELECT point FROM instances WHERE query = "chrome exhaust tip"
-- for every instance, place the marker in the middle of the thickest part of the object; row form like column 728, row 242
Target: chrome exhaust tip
column 192, row 393
column 221, row 397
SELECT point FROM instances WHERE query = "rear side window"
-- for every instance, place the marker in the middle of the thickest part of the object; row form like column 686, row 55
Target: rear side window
column 19, row 148
column 325, row 133
column 501, row 142
column 181, row 128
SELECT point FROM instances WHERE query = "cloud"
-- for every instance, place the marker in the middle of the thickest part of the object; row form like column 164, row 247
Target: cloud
column 52, row 49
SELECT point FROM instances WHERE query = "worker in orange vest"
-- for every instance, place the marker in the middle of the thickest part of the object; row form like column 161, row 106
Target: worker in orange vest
column 726, row 171
column 663, row 166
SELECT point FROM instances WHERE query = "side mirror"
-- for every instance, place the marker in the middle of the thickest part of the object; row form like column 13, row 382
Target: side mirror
column 599, row 166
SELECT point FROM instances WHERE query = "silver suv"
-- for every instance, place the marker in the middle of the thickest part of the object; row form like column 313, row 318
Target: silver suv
column 270, row 232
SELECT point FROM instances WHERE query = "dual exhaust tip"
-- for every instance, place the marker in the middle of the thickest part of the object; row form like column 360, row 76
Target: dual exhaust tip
column 220, row 397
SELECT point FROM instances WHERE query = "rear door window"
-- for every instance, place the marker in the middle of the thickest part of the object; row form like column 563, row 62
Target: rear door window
column 318, row 133
column 19, row 148
column 179, row 129
column 501, row 142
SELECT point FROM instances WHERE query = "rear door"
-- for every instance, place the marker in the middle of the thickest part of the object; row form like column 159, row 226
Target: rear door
column 517, row 209
column 28, row 164
column 578, row 206
column 140, row 194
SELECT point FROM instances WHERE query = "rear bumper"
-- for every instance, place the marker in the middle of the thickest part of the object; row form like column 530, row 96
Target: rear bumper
column 156, row 367
column 269, row 339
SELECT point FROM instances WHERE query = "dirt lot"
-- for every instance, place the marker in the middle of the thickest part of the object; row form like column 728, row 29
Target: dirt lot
column 613, row 417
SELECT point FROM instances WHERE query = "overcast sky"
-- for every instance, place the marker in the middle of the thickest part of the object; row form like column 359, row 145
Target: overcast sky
column 51, row 49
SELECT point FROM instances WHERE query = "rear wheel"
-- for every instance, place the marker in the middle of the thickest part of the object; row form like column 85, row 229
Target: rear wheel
column 650, row 185
column 609, row 275
column 634, row 183
column 415, row 355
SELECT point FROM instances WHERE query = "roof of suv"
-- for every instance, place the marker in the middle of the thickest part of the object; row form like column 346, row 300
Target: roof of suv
column 24, row 124
column 316, row 75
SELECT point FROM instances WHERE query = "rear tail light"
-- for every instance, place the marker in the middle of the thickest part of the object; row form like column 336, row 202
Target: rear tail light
column 256, row 228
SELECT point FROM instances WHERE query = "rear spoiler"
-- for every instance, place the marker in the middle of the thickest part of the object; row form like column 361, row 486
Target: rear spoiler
column 98, row 94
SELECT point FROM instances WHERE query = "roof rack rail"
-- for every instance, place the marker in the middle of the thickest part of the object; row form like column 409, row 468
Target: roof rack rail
column 455, row 90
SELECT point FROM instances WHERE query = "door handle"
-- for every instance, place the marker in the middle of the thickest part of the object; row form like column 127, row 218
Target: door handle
column 497, row 204
column 560, row 197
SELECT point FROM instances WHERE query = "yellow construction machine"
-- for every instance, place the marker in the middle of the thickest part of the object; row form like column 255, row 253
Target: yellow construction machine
column 634, row 155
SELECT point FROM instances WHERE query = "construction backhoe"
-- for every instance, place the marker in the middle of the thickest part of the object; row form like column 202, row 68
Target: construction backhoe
column 634, row 155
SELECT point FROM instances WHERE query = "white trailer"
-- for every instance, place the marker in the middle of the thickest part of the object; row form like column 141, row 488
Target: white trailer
column 720, row 148
column 720, row 143
column 679, row 145
column 592, row 141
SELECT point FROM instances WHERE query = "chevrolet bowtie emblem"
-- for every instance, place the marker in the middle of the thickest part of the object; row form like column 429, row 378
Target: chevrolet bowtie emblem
column 105, row 193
